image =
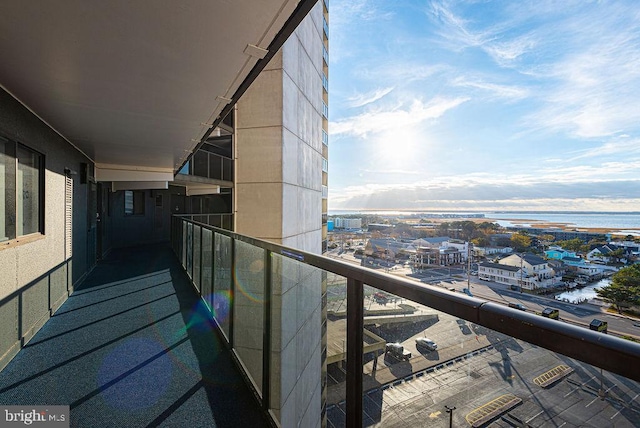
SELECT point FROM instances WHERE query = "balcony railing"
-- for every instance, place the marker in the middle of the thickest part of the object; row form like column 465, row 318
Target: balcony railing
column 222, row 221
column 295, row 319
column 209, row 165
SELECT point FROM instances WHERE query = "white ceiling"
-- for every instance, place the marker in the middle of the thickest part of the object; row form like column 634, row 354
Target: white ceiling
column 131, row 82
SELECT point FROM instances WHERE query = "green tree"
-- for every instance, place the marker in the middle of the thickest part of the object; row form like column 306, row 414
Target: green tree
column 616, row 255
column 624, row 289
column 480, row 241
column 443, row 228
column 520, row 241
column 575, row 244
column 488, row 226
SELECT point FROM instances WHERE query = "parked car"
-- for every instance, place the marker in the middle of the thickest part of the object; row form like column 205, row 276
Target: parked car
column 397, row 351
column 518, row 306
column 554, row 314
column 424, row 343
column 598, row 325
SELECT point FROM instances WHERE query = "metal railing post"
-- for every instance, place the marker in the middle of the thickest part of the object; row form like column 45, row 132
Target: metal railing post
column 355, row 333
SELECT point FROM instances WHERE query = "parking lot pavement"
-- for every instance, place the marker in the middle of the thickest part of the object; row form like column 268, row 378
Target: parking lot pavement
column 509, row 368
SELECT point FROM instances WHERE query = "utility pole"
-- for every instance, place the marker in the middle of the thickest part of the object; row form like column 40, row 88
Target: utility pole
column 521, row 271
column 469, row 265
column 450, row 411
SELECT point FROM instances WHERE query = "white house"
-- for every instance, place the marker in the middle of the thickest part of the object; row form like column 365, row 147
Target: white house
column 527, row 271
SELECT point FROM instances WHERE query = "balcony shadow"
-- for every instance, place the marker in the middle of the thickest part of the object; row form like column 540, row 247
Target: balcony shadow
column 230, row 401
column 143, row 355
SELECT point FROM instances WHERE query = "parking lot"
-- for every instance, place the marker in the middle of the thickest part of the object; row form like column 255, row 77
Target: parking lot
column 490, row 378
column 508, row 368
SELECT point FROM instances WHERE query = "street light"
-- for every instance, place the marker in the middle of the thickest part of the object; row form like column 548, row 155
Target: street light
column 450, row 411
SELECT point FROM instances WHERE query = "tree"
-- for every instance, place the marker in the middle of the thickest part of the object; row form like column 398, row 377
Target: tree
column 624, row 289
column 547, row 238
column 575, row 244
column 480, row 241
column 616, row 255
column 520, row 241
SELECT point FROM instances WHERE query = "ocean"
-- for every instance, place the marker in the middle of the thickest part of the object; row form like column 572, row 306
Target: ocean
column 578, row 219
column 621, row 221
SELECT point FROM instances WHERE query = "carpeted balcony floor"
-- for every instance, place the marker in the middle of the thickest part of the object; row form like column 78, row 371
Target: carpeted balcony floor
column 132, row 347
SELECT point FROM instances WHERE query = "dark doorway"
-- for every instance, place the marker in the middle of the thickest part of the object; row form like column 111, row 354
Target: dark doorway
column 177, row 204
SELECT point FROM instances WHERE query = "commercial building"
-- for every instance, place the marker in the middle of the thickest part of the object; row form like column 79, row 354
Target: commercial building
column 347, row 223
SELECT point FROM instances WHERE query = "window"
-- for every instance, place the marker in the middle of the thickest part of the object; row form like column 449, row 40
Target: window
column 134, row 202
column 21, row 190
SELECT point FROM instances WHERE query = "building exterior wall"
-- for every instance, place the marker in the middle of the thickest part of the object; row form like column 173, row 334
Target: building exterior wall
column 36, row 270
column 279, row 145
column 279, row 197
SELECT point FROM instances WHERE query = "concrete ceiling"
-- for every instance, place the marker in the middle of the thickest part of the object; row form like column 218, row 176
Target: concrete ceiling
column 133, row 83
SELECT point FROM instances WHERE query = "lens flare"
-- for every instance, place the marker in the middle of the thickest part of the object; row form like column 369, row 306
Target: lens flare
column 135, row 374
column 250, row 281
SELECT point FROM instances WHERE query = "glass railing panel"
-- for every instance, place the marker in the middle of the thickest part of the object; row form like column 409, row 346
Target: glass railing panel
column 248, row 309
column 423, row 367
column 215, row 166
column 227, row 221
column 207, row 267
column 215, row 220
column 221, row 299
column 336, row 353
column 189, row 251
column 196, row 256
column 201, row 163
column 298, row 341
column 183, row 246
column 227, row 169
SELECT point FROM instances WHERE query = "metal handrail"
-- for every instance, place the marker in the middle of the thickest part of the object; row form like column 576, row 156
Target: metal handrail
column 610, row 353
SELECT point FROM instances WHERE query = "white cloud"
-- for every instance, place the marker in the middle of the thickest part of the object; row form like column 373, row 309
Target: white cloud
column 505, row 53
column 455, row 29
column 501, row 91
column 380, row 120
column 620, row 146
column 361, row 100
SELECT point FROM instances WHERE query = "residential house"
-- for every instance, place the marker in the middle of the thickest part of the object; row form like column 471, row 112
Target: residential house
column 489, row 251
column 527, row 271
column 606, row 254
column 558, row 253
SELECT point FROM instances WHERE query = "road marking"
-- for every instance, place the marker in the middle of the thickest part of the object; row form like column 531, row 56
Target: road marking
column 571, row 392
column 534, row 416
column 592, row 401
column 618, row 412
column 563, row 424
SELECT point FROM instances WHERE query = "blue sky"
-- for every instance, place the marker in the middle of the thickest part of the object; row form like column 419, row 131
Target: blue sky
column 482, row 105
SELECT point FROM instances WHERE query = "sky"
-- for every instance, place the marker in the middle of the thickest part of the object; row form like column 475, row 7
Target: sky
column 484, row 105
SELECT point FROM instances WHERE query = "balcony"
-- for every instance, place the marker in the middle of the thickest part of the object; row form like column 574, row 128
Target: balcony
column 493, row 362
column 310, row 335
column 133, row 346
